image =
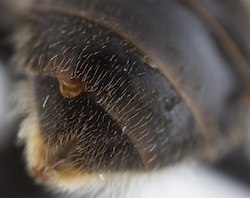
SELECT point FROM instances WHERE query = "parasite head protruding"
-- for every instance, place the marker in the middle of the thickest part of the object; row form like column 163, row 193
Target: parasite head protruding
column 72, row 88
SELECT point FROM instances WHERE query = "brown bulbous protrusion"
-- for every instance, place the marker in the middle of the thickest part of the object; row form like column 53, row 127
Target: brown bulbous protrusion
column 72, row 88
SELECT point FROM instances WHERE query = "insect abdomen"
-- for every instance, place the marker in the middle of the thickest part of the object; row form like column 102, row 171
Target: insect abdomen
column 118, row 88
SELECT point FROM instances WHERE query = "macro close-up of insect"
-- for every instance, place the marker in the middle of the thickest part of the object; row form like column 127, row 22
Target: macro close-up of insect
column 103, row 96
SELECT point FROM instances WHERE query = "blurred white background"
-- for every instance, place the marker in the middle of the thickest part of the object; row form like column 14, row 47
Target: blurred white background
column 190, row 181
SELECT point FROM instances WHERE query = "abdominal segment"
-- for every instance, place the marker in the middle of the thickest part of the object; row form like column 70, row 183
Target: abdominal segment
column 101, row 106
